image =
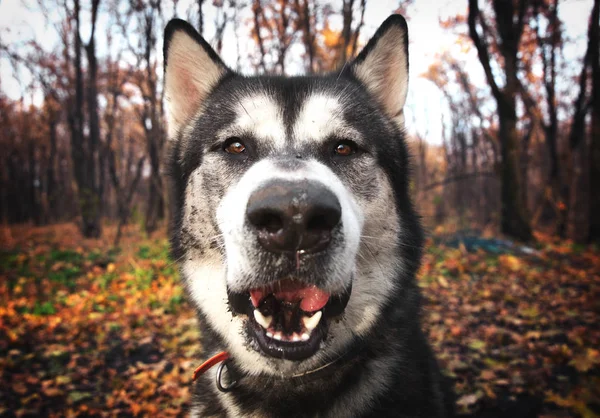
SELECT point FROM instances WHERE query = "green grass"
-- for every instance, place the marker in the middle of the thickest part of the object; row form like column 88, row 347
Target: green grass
column 159, row 250
column 67, row 256
column 14, row 262
column 42, row 309
column 106, row 279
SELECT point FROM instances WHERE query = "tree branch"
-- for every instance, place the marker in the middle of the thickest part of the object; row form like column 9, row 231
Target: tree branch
column 459, row 177
column 482, row 50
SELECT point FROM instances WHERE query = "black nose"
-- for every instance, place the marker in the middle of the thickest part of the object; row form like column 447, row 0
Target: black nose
column 292, row 216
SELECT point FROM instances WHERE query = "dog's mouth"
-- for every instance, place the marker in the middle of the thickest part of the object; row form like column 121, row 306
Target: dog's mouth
column 289, row 319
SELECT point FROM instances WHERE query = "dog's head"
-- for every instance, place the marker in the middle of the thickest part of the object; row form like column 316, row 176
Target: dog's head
column 292, row 220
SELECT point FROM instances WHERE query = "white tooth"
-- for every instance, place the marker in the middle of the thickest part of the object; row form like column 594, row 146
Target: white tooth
column 311, row 322
column 269, row 334
column 277, row 336
column 304, row 336
column 264, row 321
column 295, row 337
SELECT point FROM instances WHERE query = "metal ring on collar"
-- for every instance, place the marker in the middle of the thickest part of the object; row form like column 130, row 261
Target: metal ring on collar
column 220, row 385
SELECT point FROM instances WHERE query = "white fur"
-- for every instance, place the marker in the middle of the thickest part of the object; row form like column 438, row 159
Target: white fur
column 370, row 231
column 206, row 275
column 353, row 402
column 206, row 278
column 260, row 115
column 231, row 215
column 370, row 227
column 209, row 275
column 207, row 286
column 208, row 291
column 320, row 117
column 226, row 400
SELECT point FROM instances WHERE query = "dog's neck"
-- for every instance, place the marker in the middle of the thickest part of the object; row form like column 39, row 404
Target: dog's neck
column 235, row 375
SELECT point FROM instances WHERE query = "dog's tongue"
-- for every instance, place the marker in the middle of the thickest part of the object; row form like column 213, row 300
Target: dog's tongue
column 311, row 298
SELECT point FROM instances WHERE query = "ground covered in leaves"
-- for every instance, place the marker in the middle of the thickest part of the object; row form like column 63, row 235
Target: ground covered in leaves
column 87, row 330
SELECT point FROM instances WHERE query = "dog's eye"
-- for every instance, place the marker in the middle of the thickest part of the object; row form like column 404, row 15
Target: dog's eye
column 234, row 146
column 344, row 148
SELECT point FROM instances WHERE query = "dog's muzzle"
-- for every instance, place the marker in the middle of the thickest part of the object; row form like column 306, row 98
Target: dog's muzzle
column 288, row 317
column 293, row 216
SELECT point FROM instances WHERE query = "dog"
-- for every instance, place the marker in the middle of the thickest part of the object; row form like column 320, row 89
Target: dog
column 295, row 234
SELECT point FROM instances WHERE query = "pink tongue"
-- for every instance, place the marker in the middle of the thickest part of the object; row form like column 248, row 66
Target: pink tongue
column 311, row 297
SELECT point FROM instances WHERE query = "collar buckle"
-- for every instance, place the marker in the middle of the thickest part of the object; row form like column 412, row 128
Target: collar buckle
column 233, row 380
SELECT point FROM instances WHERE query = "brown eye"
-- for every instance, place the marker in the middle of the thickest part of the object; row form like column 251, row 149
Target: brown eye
column 344, row 148
column 234, row 146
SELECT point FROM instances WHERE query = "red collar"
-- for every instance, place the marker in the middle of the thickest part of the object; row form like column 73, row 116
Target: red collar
column 203, row 368
column 224, row 357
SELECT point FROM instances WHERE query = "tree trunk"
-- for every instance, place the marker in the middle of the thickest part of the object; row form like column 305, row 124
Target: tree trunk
column 282, row 24
column 356, row 34
column 346, row 36
column 33, row 183
column 515, row 218
column 509, row 24
column 94, row 227
column 155, row 208
column 3, row 190
column 50, row 170
column 221, row 20
column 524, row 160
column 200, row 17
column 307, row 34
column 83, row 156
column 16, row 211
column 578, row 222
column 258, row 16
column 594, row 35
column 124, row 194
column 550, row 206
column 156, row 202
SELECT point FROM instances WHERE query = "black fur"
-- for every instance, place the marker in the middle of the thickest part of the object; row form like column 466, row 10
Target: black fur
column 396, row 344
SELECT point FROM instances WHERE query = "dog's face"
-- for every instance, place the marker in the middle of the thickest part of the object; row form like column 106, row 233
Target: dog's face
column 291, row 198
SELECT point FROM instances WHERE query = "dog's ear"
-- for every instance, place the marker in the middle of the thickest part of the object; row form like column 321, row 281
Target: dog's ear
column 192, row 70
column 382, row 66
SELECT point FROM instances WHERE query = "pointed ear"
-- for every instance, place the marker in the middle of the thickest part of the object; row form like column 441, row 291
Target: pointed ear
column 192, row 70
column 382, row 66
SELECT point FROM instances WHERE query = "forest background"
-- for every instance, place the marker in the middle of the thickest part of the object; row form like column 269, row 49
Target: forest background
column 503, row 121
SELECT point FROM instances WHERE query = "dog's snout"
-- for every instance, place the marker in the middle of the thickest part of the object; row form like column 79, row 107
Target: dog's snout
column 291, row 216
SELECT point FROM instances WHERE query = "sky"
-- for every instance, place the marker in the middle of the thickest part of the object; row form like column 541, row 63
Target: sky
column 21, row 20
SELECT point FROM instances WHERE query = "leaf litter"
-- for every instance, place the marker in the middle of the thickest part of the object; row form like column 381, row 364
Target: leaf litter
column 87, row 330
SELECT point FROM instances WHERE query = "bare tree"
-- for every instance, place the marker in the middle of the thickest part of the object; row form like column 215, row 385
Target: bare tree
column 147, row 18
column 124, row 191
column 594, row 47
column 547, row 43
column 222, row 18
column 575, row 211
column 308, row 35
column 361, row 22
column 259, row 18
column 200, row 17
column 84, row 150
column 509, row 23
column 94, row 164
column 346, row 35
